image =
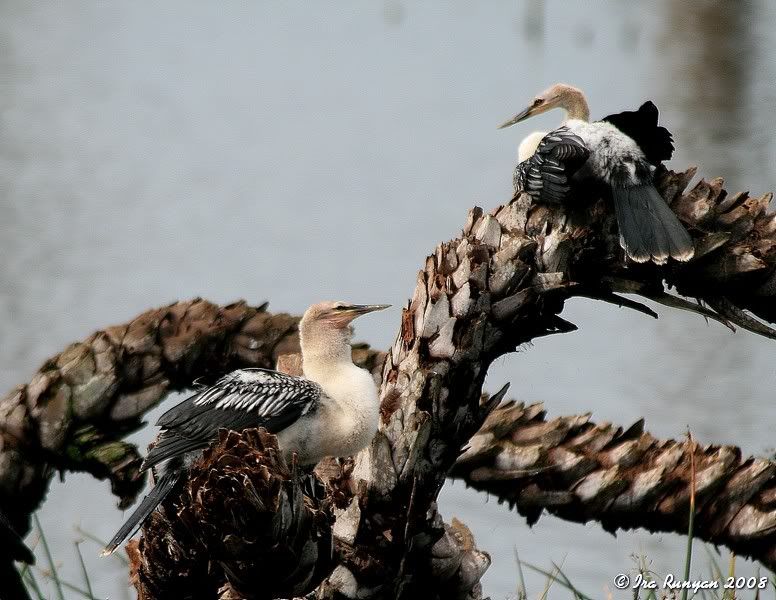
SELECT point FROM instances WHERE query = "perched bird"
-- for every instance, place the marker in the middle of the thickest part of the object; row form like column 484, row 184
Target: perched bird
column 330, row 412
column 12, row 549
column 619, row 152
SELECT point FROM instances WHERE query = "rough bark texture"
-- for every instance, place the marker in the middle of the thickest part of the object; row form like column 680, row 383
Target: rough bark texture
column 240, row 527
column 501, row 284
column 623, row 478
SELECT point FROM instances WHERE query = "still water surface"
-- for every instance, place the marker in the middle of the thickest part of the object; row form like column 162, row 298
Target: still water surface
column 296, row 151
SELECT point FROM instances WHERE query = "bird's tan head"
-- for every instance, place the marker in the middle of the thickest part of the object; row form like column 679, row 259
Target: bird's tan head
column 325, row 333
column 560, row 95
column 337, row 315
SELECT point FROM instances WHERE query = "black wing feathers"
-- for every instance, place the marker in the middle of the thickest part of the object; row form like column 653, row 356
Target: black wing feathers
column 241, row 399
column 546, row 176
column 203, row 424
column 641, row 126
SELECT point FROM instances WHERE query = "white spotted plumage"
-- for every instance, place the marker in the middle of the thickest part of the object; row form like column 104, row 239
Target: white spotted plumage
column 261, row 391
column 611, row 152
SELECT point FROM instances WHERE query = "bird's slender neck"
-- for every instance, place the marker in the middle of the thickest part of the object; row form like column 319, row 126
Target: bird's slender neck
column 325, row 350
column 575, row 105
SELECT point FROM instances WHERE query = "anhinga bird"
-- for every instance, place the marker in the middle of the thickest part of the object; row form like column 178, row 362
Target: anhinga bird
column 621, row 152
column 12, row 549
column 330, row 412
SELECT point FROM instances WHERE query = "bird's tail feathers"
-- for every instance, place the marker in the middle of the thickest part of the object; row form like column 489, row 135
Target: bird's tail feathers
column 153, row 499
column 649, row 229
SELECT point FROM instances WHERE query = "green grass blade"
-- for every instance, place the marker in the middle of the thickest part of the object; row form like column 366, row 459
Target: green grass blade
column 84, row 571
column 32, row 546
column 647, row 574
column 522, row 592
column 23, row 572
column 716, row 570
column 731, row 593
column 688, row 555
column 32, row 584
column 757, row 574
column 577, row 594
column 691, row 523
column 49, row 558
column 553, row 577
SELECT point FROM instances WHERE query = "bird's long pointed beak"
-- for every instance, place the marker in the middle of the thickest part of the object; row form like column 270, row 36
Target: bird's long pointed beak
column 362, row 309
column 521, row 116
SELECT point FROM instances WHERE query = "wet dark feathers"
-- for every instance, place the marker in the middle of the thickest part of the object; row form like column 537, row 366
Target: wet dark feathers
column 641, row 126
column 546, row 175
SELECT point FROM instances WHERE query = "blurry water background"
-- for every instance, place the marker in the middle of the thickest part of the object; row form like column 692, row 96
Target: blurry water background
column 293, row 151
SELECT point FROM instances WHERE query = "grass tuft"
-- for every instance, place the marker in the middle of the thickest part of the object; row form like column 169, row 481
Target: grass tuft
column 522, row 594
column 556, row 575
column 83, row 570
column 28, row 573
column 52, row 567
column 32, row 584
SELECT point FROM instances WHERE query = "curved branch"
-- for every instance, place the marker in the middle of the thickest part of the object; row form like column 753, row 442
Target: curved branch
column 623, row 478
column 75, row 410
column 81, row 402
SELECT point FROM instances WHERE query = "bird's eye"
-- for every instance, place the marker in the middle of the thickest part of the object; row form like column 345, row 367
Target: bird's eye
column 537, row 102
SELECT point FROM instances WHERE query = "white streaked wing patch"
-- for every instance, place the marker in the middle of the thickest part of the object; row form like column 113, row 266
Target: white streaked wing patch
column 268, row 393
column 251, row 376
column 543, row 175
